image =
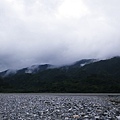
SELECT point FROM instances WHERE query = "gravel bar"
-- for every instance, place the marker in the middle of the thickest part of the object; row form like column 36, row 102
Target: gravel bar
column 59, row 107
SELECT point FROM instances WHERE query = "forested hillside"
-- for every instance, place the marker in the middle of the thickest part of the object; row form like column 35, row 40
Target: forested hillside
column 93, row 77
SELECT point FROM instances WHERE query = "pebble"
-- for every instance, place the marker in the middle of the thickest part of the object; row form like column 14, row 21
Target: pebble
column 58, row 107
column 66, row 118
column 76, row 116
column 118, row 117
column 97, row 117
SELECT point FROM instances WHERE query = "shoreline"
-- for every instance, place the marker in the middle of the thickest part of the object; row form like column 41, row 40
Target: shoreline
column 70, row 94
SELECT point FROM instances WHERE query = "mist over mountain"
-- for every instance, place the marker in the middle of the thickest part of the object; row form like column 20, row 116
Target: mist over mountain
column 38, row 68
column 87, row 75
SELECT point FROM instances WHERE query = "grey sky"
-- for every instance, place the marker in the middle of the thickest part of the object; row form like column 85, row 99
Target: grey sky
column 57, row 31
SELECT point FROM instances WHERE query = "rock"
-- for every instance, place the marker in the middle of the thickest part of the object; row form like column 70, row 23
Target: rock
column 118, row 117
column 76, row 116
column 66, row 118
column 97, row 117
column 57, row 107
column 86, row 116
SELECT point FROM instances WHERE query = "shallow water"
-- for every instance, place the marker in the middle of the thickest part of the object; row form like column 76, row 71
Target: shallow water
column 59, row 107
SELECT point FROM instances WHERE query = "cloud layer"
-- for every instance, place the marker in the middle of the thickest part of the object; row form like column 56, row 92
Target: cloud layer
column 57, row 31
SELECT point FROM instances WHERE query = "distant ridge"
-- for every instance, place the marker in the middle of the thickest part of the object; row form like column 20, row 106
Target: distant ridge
column 84, row 76
column 38, row 68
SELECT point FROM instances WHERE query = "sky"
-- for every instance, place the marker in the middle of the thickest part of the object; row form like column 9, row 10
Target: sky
column 57, row 31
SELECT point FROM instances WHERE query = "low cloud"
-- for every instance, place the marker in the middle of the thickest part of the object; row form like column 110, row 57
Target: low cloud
column 57, row 31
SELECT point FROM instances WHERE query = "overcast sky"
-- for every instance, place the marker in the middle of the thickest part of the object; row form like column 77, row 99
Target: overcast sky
column 57, row 31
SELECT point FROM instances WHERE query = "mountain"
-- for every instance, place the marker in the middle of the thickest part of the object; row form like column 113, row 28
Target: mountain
column 87, row 75
column 32, row 69
column 83, row 62
column 38, row 68
column 35, row 69
column 78, row 64
column 8, row 72
column 109, row 66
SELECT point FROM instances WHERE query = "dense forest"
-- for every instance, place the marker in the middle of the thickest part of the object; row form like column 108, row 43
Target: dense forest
column 95, row 77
